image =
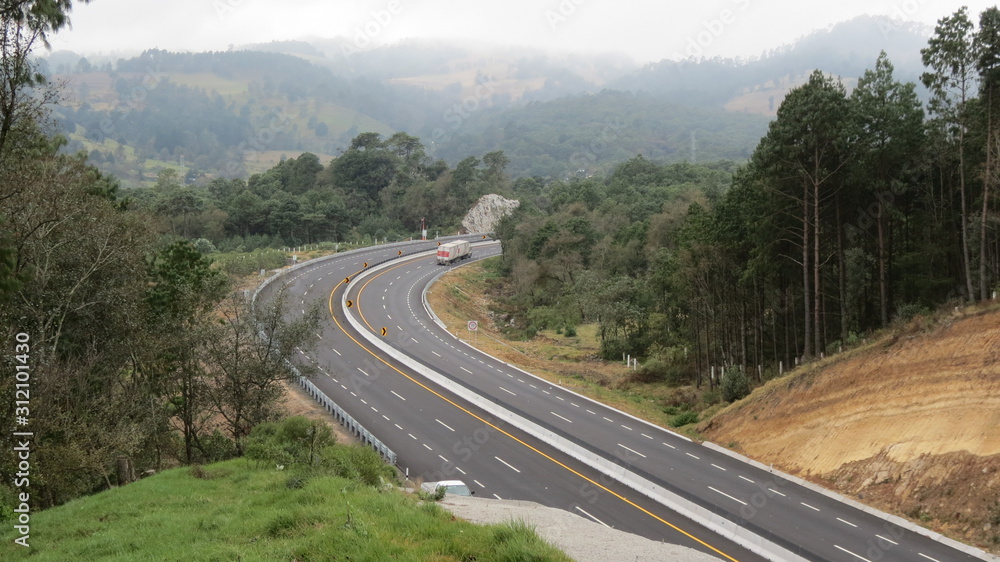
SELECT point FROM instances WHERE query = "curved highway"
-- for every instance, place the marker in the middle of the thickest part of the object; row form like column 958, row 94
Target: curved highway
column 438, row 435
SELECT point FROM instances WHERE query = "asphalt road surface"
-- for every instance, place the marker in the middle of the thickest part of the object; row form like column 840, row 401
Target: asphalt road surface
column 437, row 435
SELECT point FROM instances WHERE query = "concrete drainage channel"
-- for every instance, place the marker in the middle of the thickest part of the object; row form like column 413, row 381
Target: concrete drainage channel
column 724, row 527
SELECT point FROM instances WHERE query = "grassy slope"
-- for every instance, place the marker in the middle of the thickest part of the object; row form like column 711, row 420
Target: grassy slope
column 245, row 512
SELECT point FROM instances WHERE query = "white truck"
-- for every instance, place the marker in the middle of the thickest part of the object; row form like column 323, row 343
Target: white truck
column 453, row 251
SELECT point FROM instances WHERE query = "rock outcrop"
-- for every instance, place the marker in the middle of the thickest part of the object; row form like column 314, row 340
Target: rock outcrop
column 487, row 212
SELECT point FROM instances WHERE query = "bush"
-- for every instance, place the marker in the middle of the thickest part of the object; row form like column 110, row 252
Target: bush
column 204, row 246
column 295, row 440
column 216, row 447
column 710, row 397
column 735, row 384
column 570, row 332
column 905, row 312
column 684, row 419
column 359, row 463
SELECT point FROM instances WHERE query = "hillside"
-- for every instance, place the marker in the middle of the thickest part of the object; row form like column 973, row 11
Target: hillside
column 238, row 510
column 907, row 424
column 237, row 112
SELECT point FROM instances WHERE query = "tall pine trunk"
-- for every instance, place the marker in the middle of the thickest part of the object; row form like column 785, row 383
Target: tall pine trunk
column 965, row 214
column 987, row 179
column 807, row 325
column 817, row 293
column 883, row 284
column 842, row 274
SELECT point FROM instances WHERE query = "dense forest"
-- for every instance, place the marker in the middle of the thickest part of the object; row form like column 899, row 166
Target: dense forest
column 853, row 211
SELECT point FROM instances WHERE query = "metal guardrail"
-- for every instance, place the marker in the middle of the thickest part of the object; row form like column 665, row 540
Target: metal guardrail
column 345, row 419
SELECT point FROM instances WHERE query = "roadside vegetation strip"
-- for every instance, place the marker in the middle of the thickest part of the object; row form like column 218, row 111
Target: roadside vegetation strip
column 239, row 509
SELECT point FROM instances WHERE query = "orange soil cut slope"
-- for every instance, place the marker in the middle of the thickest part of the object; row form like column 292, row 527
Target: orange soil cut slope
column 927, row 394
column 913, row 424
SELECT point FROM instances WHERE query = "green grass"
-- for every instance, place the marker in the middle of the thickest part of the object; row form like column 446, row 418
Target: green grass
column 238, row 510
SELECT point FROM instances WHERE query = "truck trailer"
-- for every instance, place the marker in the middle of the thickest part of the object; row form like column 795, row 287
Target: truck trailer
column 453, row 251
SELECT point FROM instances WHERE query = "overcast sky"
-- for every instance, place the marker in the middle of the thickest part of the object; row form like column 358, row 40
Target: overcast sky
column 646, row 30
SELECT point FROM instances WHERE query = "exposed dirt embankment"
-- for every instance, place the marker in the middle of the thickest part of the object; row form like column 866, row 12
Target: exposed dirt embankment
column 911, row 426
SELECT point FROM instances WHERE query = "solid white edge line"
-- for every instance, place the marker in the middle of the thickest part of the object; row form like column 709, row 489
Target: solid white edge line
column 578, row 508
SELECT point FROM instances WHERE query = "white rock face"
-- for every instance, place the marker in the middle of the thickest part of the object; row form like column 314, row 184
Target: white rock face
column 487, row 212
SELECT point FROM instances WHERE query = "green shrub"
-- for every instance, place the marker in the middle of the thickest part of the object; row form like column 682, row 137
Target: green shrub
column 684, row 419
column 570, row 332
column 710, row 397
column 735, row 384
column 204, row 246
column 358, row 463
column 295, row 440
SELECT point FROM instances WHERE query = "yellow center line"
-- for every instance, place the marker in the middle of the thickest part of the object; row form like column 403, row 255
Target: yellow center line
column 498, row 429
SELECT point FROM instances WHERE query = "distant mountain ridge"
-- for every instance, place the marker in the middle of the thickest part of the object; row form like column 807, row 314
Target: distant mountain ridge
column 548, row 112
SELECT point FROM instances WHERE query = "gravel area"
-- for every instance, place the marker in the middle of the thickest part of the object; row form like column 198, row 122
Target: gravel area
column 580, row 538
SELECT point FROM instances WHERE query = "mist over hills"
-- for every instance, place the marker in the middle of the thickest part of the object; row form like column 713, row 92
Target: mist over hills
column 237, row 112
